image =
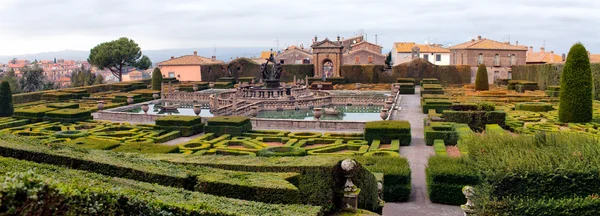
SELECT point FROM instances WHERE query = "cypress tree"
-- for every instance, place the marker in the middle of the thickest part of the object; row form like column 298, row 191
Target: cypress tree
column 156, row 79
column 481, row 80
column 6, row 101
column 576, row 88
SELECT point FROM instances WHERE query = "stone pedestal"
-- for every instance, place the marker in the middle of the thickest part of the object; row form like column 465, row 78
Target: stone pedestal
column 350, row 201
column 272, row 83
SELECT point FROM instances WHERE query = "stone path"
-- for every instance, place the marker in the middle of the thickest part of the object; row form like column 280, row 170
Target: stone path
column 417, row 154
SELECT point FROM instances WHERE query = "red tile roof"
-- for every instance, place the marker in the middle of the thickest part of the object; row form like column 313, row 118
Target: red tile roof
column 545, row 57
column 406, row 47
column 484, row 43
column 594, row 58
column 189, row 60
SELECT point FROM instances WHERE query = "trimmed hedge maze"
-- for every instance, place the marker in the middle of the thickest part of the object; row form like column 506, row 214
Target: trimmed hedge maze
column 95, row 135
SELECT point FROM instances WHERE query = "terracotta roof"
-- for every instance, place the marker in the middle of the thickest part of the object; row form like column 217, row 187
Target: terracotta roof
column 484, row 43
column 15, row 65
column 267, row 54
column 189, row 60
column 47, row 61
column 365, row 50
column 64, row 79
column 545, row 57
column 594, row 58
column 363, row 42
column 292, row 48
column 406, row 47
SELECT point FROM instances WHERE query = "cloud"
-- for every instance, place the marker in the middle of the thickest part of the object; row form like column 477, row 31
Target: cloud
column 29, row 26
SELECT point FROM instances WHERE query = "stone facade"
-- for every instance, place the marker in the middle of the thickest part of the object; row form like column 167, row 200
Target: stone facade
column 363, row 57
column 498, row 57
column 295, row 55
column 327, row 56
column 364, row 53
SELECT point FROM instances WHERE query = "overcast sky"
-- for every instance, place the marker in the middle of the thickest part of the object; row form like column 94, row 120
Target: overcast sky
column 33, row 26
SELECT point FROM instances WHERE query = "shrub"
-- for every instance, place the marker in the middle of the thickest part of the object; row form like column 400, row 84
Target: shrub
column 186, row 125
column 233, row 125
column 157, row 79
column 68, row 115
column 430, row 81
column 553, row 91
column 447, row 176
column 407, row 80
column 441, row 131
column 396, row 175
column 439, row 105
column 439, row 147
column 534, row 106
column 475, row 119
column 385, row 131
column 147, row 148
column 6, row 106
column 63, row 191
column 35, row 114
column 576, row 101
column 481, row 80
column 281, row 151
column 93, row 143
column 421, row 68
column 63, row 105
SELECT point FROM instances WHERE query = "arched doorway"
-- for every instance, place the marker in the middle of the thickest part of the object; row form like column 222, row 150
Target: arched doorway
column 328, row 68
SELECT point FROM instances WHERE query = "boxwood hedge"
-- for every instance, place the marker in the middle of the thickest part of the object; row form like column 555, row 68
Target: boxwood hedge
column 385, row 131
column 447, row 176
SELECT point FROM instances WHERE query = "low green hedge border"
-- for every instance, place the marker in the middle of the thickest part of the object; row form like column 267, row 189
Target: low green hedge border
column 446, row 176
column 281, row 151
column 534, row 106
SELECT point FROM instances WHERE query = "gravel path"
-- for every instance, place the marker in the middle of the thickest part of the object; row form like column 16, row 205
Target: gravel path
column 417, row 154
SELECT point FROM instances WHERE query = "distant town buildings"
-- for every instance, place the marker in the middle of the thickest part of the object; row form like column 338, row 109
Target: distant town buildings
column 543, row 57
column 407, row 51
column 498, row 57
column 187, row 67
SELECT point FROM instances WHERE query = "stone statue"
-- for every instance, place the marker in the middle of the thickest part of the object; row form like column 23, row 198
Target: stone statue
column 271, row 76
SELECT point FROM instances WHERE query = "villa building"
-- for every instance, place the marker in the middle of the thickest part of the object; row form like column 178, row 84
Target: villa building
column 363, row 53
column 407, row 51
column 498, row 57
column 187, row 67
column 294, row 55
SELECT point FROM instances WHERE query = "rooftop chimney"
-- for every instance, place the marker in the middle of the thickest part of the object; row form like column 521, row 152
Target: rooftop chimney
column 530, row 49
column 564, row 57
column 213, row 57
column 338, row 38
column 552, row 51
column 315, row 39
column 172, row 57
column 195, row 53
column 516, row 43
column 542, row 49
column 478, row 37
column 472, row 40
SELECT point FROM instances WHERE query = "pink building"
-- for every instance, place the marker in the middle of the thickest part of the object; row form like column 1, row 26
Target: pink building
column 186, row 68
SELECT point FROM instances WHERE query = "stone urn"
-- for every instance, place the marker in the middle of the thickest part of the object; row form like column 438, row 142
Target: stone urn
column 195, row 87
column 130, row 99
column 283, row 85
column 197, row 109
column 388, row 105
column 145, row 107
column 319, row 86
column 211, row 85
column 357, row 86
column 384, row 114
column 317, row 112
column 100, row 105
column 396, row 89
column 155, row 96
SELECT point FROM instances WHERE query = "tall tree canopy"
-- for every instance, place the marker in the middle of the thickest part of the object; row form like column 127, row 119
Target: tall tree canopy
column 82, row 77
column 33, row 79
column 117, row 55
column 576, row 87
column 388, row 59
column 10, row 77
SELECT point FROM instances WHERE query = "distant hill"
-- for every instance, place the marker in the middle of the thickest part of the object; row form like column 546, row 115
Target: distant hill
column 224, row 54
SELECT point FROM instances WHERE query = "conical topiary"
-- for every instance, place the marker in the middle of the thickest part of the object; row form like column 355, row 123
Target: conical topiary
column 481, row 80
column 6, row 101
column 576, row 88
column 156, row 79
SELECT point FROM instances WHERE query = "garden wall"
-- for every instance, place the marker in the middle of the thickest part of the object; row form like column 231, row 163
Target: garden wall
column 549, row 75
column 420, row 68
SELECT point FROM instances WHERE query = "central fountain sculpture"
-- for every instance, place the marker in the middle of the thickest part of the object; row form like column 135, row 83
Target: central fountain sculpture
column 271, row 77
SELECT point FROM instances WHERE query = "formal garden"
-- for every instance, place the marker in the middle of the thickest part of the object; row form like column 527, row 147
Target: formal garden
column 515, row 147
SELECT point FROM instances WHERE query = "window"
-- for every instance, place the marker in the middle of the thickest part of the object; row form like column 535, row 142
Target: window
column 462, row 59
column 370, row 59
column 426, row 57
column 171, row 74
column 513, row 60
column 357, row 59
column 281, row 61
column 306, row 61
column 480, row 60
column 438, row 57
column 496, row 75
column 497, row 60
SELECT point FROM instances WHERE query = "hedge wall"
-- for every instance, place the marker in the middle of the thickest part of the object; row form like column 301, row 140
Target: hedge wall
column 549, row 75
column 63, row 191
column 446, row 176
column 475, row 119
column 385, row 131
column 365, row 74
column 298, row 70
column 421, row 68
